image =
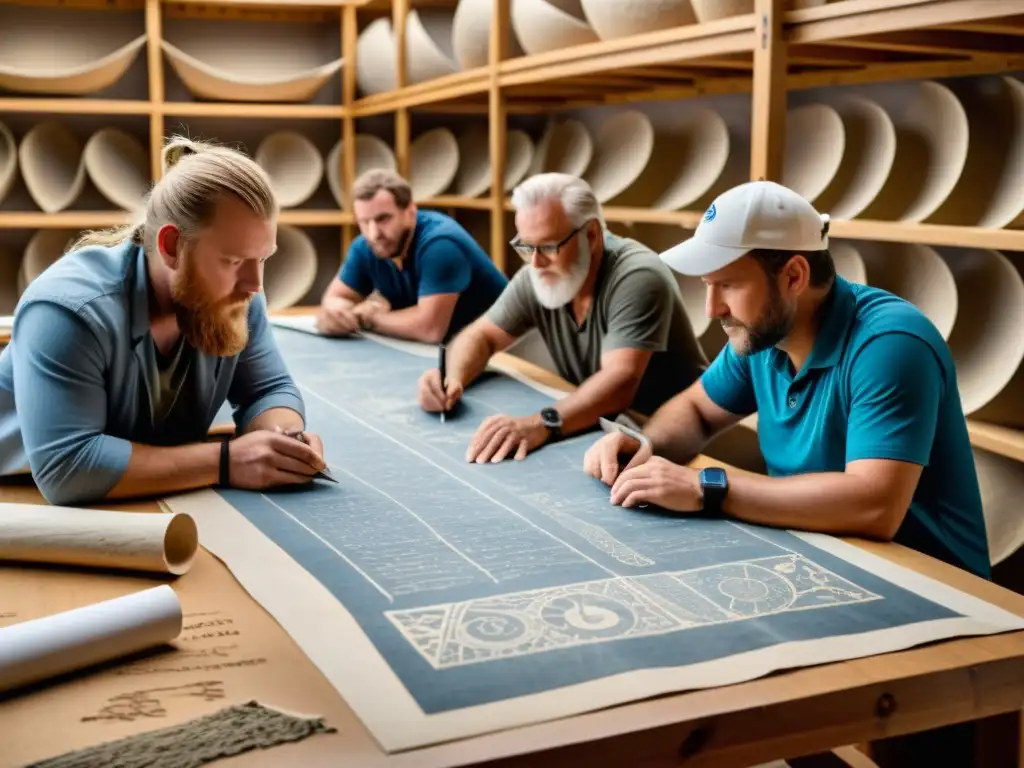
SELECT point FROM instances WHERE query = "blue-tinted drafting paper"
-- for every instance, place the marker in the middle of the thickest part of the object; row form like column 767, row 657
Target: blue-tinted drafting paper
column 478, row 585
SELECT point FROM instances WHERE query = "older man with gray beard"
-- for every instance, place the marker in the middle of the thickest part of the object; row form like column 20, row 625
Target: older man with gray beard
column 608, row 310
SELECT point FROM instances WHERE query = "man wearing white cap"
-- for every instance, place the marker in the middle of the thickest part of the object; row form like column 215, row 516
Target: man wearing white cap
column 859, row 413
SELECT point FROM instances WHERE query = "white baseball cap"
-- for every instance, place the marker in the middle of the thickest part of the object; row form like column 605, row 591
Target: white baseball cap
column 756, row 214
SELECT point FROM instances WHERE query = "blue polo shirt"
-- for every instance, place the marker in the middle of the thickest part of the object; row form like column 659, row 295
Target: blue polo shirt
column 879, row 384
column 443, row 258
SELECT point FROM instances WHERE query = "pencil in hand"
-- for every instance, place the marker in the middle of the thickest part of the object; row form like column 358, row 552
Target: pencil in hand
column 444, row 383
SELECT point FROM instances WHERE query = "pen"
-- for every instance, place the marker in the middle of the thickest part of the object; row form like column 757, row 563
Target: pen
column 441, row 367
column 298, row 435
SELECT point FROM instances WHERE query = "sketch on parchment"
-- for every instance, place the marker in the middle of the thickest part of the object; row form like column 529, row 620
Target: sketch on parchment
column 472, row 597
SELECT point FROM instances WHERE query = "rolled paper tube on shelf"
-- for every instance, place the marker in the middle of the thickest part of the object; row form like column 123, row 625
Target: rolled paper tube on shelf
column 623, row 147
column 118, row 164
column 471, row 35
column 612, row 19
column 932, row 137
column 375, row 58
column 266, row 78
column 869, row 149
column 294, row 164
column 917, row 273
column 990, row 191
column 434, row 161
column 815, row 142
column 473, row 177
column 291, row 272
column 428, row 44
column 44, row 248
column 987, row 342
column 550, row 25
column 848, row 261
column 1001, row 480
column 8, row 161
column 156, row 542
column 566, row 146
column 690, row 154
column 53, row 165
column 371, row 152
column 40, row 649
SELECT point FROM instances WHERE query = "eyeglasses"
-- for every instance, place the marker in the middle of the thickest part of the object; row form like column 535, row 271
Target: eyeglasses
column 549, row 250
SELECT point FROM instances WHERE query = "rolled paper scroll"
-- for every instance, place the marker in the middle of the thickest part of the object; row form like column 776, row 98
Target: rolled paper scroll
column 160, row 542
column 72, row 640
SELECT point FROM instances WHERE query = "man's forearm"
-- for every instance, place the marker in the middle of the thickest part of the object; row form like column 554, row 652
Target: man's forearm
column 467, row 356
column 826, row 502
column 676, row 430
column 157, row 470
column 411, row 323
column 606, row 392
column 285, row 418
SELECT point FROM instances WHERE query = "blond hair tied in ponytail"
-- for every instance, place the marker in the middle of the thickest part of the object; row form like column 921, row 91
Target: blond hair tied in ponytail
column 196, row 176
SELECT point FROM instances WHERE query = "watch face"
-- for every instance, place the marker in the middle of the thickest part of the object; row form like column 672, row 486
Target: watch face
column 713, row 476
column 551, row 418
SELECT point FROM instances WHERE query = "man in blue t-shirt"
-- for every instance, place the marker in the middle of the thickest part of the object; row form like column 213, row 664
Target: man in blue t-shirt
column 433, row 277
column 859, row 413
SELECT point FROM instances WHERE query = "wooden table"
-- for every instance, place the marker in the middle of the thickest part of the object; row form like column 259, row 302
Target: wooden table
column 784, row 715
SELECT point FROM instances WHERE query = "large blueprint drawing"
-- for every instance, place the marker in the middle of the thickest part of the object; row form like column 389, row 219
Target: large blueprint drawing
column 445, row 599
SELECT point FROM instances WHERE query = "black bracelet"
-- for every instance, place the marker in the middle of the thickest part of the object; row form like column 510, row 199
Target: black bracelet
column 225, row 463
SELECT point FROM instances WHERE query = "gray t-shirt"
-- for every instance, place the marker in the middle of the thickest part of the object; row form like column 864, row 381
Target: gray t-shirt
column 637, row 304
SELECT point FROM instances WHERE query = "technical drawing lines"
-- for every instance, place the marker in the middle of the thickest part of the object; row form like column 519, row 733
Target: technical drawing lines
column 619, row 609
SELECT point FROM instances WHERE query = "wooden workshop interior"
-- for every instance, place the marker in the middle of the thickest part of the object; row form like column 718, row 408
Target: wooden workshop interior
column 902, row 119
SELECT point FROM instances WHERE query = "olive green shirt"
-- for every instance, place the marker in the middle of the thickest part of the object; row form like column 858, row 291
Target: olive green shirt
column 171, row 372
column 636, row 305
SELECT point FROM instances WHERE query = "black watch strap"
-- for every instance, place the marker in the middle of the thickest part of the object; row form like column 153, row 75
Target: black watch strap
column 714, row 485
column 225, row 463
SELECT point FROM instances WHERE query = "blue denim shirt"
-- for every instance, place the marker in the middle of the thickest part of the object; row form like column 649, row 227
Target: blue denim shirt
column 76, row 376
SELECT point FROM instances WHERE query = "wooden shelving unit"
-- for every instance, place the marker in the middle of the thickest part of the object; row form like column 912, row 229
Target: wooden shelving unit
column 765, row 56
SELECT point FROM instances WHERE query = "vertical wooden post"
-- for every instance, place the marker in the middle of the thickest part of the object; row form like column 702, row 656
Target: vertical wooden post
column 349, row 40
column 768, row 109
column 399, row 13
column 498, row 132
column 155, row 65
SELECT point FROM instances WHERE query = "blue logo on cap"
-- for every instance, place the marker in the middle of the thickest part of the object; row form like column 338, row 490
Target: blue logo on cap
column 710, row 213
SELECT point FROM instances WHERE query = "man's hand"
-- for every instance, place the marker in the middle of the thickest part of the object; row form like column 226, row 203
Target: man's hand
column 601, row 460
column 336, row 317
column 498, row 436
column 265, row 458
column 659, row 481
column 366, row 311
column 432, row 397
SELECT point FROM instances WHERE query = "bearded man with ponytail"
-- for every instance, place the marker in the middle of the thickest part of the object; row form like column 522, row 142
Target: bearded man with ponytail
column 124, row 350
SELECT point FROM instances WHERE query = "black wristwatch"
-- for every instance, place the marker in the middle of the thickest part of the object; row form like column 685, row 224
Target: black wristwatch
column 715, row 485
column 552, row 419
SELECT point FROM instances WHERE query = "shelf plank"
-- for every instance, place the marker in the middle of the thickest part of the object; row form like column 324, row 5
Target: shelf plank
column 76, row 106
column 252, row 109
column 103, row 219
column 693, row 41
column 853, row 18
column 448, row 88
column 314, row 218
column 456, row 201
column 930, row 234
column 996, row 439
column 63, row 219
